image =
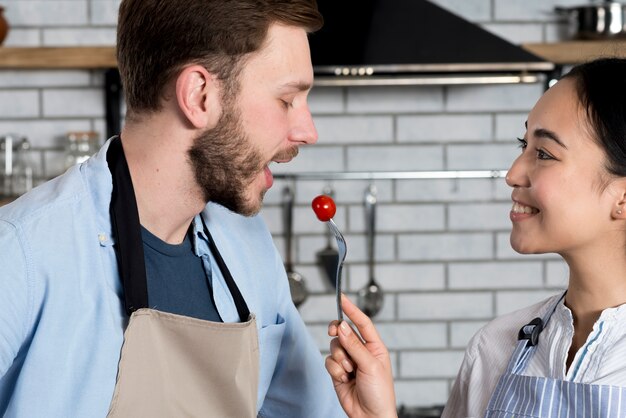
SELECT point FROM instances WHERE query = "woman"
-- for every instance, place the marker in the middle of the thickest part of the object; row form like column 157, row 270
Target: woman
column 565, row 355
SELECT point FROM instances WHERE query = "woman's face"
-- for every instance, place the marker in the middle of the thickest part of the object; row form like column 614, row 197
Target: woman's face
column 562, row 194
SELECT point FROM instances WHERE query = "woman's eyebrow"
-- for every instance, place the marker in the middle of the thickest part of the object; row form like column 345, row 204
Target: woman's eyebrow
column 545, row 133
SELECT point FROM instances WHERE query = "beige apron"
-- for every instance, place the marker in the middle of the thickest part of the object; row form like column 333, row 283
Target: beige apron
column 173, row 365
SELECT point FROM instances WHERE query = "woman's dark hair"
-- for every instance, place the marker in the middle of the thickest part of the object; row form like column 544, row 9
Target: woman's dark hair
column 157, row 38
column 601, row 87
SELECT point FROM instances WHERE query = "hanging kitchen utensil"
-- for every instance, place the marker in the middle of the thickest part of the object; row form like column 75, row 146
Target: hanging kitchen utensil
column 297, row 285
column 370, row 298
column 327, row 257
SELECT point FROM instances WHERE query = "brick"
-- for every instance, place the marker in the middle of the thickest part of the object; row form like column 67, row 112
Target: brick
column 462, row 331
column 326, row 100
column 319, row 158
column 517, row 33
column 421, row 393
column 396, row 277
column 557, row 274
column 434, row 306
column 430, row 364
column 395, row 158
column 357, row 251
column 530, row 10
column 354, row 129
column 19, row 104
column 479, row 216
column 73, row 102
column 79, row 37
column 401, row 218
column 445, row 190
column 104, row 12
column 510, row 126
column 344, row 191
column 475, row 10
column 45, row 12
column 36, row 78
column 440, row 128
column 399, row 336
column 495, row 275
column 320, row 336
column 319, row 309
column 502, row 190
column 20, row 37
column 495, row 98
column 437, row 247
column 395, row 99
column 481, row 156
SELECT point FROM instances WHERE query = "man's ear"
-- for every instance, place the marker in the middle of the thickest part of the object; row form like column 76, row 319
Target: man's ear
column 198, row 96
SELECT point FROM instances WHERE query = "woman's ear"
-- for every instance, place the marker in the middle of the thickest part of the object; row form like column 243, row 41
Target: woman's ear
column 619, row 209
column 198, row 96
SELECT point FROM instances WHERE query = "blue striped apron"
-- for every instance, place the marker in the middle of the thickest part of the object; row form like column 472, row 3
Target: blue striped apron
column 530, row 396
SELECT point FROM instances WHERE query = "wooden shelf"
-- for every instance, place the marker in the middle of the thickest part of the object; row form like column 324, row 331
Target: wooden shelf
column 576, row 52
column 96, row 57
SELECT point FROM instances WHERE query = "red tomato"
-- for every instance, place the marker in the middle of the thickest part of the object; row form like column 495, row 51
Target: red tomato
column 324, row 207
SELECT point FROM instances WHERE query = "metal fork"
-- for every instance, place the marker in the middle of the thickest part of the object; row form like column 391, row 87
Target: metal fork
column 342, row 249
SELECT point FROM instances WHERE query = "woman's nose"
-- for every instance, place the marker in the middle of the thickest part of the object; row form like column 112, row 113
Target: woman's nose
column 517, row 176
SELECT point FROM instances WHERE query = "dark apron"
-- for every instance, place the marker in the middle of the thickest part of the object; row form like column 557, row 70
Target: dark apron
column 173, row 365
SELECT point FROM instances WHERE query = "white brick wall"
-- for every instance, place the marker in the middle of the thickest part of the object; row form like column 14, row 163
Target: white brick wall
column 442, row 248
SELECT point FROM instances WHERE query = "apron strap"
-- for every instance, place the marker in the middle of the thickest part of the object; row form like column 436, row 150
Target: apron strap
column 125, row 220
column 240, row 303
column 129, row 244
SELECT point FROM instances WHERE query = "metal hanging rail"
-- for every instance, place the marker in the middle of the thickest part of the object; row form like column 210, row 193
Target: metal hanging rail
column 393, row 175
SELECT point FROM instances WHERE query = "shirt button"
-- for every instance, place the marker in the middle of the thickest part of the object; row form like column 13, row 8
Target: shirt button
column 102, row 237
column 591, row 348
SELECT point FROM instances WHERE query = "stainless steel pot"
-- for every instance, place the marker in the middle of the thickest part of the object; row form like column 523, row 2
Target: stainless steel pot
column 602, row 20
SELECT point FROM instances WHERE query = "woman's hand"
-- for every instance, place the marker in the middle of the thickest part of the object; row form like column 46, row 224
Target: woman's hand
column 361, row 369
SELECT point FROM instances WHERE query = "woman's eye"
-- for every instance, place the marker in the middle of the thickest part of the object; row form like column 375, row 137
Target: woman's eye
column 522, row 143
column 542, row 155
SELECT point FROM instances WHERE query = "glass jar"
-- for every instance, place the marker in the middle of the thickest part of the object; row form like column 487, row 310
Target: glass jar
column 79, row 146
column 22, row 178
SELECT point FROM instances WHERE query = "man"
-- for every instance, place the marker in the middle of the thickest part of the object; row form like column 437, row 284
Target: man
column 122, row 291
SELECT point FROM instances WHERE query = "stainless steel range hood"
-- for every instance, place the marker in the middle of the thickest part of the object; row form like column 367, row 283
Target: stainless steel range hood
column 412, row 42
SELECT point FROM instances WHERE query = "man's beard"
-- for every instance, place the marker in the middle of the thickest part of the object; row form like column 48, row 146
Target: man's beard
column 225, row 163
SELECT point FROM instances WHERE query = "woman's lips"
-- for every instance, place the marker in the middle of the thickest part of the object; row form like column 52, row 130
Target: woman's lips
column 520, row 211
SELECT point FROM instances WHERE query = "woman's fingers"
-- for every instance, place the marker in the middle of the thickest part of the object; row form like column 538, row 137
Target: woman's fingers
column 363, row 322
column 336, row 371
column 340, row 356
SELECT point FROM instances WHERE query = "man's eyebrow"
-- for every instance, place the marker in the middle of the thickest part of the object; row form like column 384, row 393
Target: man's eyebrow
column 296, row 85
column 545, row 133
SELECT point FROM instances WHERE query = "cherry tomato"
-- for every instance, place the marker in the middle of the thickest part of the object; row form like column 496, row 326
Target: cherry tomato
column 324, row 207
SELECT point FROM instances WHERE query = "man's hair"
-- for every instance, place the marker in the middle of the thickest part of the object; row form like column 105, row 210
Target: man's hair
column 157, row 38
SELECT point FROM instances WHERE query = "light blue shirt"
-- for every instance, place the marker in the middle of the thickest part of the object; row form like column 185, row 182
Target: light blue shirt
column 61, row 306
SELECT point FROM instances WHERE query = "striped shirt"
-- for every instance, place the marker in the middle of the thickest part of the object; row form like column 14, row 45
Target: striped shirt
column 599, row 361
